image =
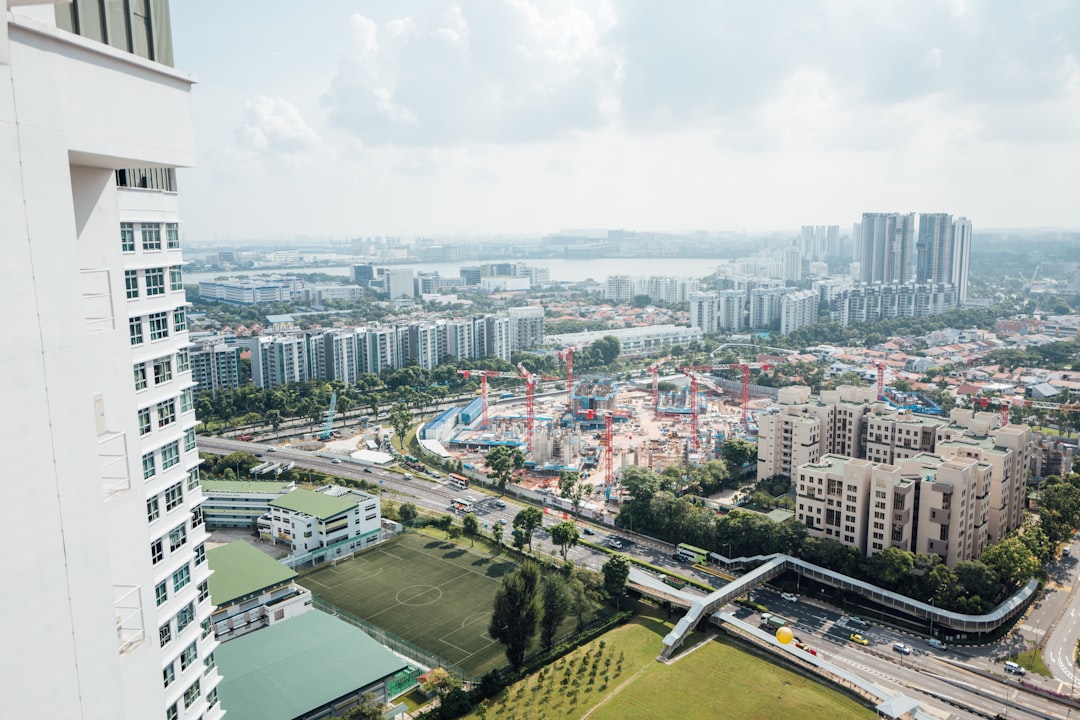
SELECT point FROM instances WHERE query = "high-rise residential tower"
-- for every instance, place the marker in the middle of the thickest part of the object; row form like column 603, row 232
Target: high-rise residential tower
column 108, row 612
column 887, row 251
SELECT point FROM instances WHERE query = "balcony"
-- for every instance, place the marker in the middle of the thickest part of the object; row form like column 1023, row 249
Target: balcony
column 129, row 624
column 112, row 459
column 96, row 286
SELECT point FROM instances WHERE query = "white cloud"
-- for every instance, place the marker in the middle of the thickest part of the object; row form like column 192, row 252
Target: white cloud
column 274, row 125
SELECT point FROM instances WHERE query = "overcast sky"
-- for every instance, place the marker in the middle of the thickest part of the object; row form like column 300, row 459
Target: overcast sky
column 341, row 118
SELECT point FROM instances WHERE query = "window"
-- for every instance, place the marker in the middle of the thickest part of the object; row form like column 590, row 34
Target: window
column 148, row 468
column 173, row 497
column 183, row 361
column 140, row 376
column 193, row 478
column 200, row 555
column 211, row 697
column 159, row 326
column 153, row 511
column 191, row 694
column 155, row 281
column 170, row 455
column 157, row 551
column 196, row 517
column 176, row 279
column 189, row 439
column 209, row 663
column 169, row 674
column 161, row 593
column 165, row 634
column 172, row 235
column 204, row 590
column 171, row 713
column 127, row 237
column 207, row 628
column 145, row 424
column 187, row 400
column 131, row 284
column 188, row 657
column 162, row 370
column 185, row 617
column 181, row 578
column 166, row 413
column 151, row 236
column 177, row 538
column 180, row 319
column 135, row 330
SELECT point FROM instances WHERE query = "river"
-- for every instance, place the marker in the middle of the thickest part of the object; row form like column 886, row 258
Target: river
column 561, row 270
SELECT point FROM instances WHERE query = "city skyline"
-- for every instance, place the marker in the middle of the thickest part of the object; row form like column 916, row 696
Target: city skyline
column 440, row 119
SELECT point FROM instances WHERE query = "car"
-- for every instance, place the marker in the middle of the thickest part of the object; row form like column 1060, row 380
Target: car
column 271, row 449
column 500, row 503
column 367, row 470
column 856, row 620
column 588, row 531
column 615, row 544
column 1065, row 551
column 1013, row 669
column 935, row 643
column 470, row 498
column 258, row 454
column 859, row 639
column 901, row 648
column 336, row 461
column 790, row 597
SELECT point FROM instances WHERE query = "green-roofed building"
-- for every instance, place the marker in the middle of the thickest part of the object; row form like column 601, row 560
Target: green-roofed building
column 239, row 503
column 325, row 524
column 251, row 590
column 307, row 667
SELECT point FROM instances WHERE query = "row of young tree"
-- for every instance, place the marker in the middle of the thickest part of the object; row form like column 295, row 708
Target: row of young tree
column 973, row 586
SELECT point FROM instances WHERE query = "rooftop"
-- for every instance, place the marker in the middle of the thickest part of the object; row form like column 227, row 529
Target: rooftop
column 264, row 487
column 241, row 570
column 298, row 665
column 316, row 504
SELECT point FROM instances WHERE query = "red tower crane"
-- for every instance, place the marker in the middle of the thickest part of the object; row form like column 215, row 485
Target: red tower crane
column 880, row 367
column 567, row 355
column 746, row 368
column 530, row 402
column 484, row 375
column 654, row 370
column 694, row 443
column 1005, row 406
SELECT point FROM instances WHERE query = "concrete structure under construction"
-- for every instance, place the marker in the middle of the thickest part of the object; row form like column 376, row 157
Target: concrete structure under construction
column 590, row 399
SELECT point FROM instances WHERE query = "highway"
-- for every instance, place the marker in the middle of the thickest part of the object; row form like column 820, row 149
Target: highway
column 970, row 676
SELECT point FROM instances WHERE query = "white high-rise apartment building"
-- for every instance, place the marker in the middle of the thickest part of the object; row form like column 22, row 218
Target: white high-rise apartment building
column 798, row 309
column 109, row 616
column 703, row 311
column 526, row 327
column 730, row 313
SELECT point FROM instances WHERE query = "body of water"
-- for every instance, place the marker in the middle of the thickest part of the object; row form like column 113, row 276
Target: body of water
column 561, row 270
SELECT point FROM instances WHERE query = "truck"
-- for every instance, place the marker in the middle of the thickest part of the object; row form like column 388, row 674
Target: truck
column 772, row 621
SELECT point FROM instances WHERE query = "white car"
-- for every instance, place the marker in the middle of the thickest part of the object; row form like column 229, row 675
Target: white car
column 790, row 597
column 935, row 643
column 901, row 648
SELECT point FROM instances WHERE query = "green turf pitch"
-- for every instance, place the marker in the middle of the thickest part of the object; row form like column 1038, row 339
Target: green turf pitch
column 434, row 594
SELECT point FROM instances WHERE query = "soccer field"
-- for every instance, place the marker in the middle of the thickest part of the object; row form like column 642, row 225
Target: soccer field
column 432, row 593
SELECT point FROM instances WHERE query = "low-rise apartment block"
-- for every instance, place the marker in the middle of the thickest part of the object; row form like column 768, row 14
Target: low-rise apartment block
column 251, row 590
column 324, row 524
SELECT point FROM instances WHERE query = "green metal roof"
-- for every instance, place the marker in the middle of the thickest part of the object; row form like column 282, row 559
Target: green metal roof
column 298, row 665
column 241, row 570
column 316, row 504
column 265, row 487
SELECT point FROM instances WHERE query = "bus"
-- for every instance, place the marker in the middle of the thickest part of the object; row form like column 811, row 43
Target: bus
column 462, row 505
column 689, row 553
column 458, row 482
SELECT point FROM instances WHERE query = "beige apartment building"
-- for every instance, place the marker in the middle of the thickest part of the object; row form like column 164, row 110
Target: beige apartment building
column 926, row 504
column 949, row 487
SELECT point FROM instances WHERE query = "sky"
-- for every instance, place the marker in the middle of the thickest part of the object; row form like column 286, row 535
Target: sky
column 356, row 118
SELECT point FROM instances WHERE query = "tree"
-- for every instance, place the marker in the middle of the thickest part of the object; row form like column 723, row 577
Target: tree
column 516, row 612
column 738, row 452
column 369, row 709
column 498, row 529
column 565, row 535
column 572, row 488
column 444, row 523
column 401, row 420
column 408, row 512
column 526, row 521
column 471, row 526
column 520, row 538
column 891, row 567
column 273, row 417
column 438, row 681
column 556, row 602
column 1059, row 509
column 503, row 461
column 1011, row 559
column 641, row 482
column 616, row 573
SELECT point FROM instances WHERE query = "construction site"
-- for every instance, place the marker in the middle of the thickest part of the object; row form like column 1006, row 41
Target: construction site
column 597, row 426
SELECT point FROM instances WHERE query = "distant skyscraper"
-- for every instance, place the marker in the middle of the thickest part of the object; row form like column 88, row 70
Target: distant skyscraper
column 887, row 247
column 703, row 311
column 961, row 257
column 944, row 249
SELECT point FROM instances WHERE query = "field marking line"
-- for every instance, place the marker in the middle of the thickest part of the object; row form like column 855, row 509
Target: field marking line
column 321, row 584
column 618, row 688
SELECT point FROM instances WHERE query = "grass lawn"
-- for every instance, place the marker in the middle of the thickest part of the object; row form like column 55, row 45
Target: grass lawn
column 1032, row 661
column 617, row 677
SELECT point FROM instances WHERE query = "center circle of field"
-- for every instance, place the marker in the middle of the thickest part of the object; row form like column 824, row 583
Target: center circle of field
column 417, row 595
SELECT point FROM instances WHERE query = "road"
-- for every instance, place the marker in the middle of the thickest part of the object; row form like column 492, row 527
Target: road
column 974, row 678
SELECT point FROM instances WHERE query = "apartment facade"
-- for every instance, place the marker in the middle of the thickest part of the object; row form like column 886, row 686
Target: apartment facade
column 100, row 372
column 526, row 327
column 215, row 366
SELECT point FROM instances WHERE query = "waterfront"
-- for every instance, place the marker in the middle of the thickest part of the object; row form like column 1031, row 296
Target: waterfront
column 561, row 270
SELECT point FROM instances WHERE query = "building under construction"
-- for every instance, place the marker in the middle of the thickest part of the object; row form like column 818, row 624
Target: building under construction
column 590, row 400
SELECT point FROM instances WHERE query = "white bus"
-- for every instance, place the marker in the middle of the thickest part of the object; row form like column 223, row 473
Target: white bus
column 462, row 505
